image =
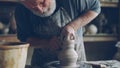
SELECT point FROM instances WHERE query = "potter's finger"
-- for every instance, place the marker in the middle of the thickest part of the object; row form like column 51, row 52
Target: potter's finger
column 46, row 2
column 26, row 4
column 72, row 36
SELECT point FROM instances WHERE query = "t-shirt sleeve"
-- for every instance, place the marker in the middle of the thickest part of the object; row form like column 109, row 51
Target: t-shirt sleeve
column 95, row 6
column 23, row 29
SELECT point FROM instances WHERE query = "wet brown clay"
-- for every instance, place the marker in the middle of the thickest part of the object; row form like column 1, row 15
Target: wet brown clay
column 68, row 56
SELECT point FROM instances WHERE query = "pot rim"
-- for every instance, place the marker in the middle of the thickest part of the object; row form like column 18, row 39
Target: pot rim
column 13, row 45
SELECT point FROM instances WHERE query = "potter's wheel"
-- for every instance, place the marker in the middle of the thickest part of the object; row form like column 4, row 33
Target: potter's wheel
column 53, row 64
column 56, row 64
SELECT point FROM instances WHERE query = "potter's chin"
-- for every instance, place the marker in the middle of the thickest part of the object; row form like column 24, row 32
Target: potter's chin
column 47, row 11
column 44, row 14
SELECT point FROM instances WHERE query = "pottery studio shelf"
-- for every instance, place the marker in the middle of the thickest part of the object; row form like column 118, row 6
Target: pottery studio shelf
column 8, row 38
column 87, row 38
column 8, row 0
column 100, row 38
column 109, row 4
column 103, row 3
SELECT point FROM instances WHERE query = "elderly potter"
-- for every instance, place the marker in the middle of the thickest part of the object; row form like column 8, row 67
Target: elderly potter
column 42, row 30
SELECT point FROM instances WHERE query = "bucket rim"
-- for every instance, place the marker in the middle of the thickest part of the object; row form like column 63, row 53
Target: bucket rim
column 13, row 45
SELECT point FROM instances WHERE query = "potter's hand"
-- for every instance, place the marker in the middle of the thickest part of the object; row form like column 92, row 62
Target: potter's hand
column 68, row 33
column 53, row 44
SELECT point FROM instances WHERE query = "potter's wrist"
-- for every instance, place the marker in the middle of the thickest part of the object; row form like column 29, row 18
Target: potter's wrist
column 71, row 26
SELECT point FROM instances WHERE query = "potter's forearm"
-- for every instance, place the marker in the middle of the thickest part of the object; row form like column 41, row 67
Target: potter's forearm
column 37, row 42
column 83, row 20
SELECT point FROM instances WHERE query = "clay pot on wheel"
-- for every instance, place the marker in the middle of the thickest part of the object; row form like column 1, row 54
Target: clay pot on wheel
column 68, row 56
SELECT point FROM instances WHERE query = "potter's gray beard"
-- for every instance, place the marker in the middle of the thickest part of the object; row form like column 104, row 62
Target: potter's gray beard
column 47, row 11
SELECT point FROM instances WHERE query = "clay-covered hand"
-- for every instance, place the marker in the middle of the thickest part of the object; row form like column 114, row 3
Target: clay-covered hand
column 53, row 44
column 68, row 33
